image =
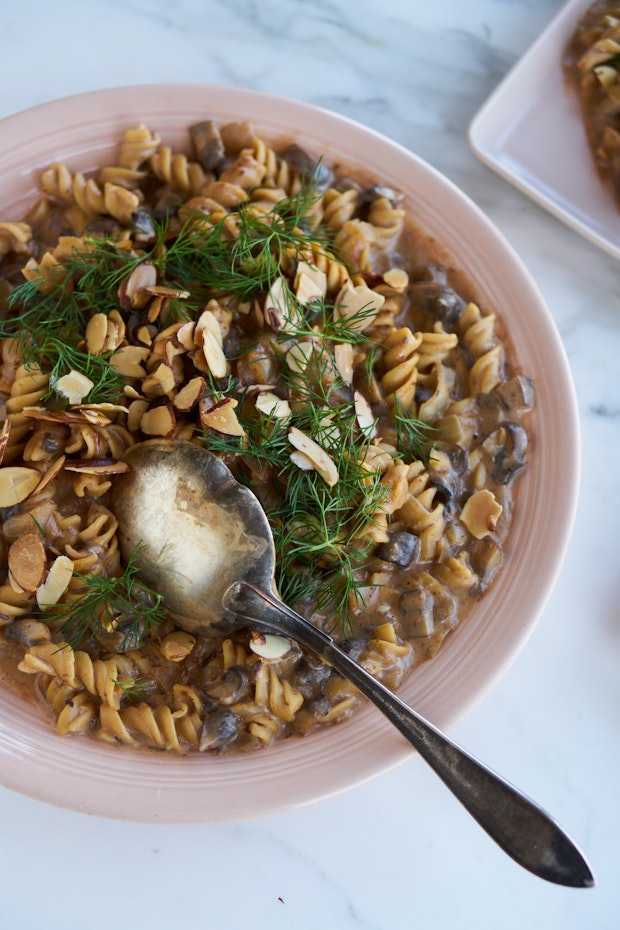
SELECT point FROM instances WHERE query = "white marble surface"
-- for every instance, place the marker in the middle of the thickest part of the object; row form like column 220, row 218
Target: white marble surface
column 398, row 852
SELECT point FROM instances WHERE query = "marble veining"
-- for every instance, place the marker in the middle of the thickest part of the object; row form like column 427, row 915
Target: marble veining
column 398, row 852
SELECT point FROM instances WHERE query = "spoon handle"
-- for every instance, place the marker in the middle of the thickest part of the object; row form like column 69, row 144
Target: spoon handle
column 521, row 828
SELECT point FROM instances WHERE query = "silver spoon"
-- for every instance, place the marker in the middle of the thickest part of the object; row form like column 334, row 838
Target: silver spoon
column 207, row 547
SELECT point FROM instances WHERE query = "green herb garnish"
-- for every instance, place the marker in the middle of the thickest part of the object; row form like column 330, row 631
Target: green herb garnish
column 122, row 604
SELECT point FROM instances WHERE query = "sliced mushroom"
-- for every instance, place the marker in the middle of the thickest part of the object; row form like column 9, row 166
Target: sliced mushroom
column 517, row 393
column 443, row 303
column 231, row 687
column 402, row 548
column 218, row 729
column 416, row 611
column 207, row 144
column 506, row 446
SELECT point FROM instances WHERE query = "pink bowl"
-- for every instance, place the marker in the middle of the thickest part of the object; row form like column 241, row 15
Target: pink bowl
column 84, row 131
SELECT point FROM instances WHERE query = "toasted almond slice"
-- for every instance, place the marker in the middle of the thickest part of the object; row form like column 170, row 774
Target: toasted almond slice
column 358, row 305
column 74, row 386
column 222, row 417
column 160, row 290
column 214, row 354
column 185, row 335
column 177, row 645
column 133, row 293
column 97, row 466
column 310, row 283
column 14, row 586
column 343, row 354
column 27, row 561
column 129, row 361
column 135, row 412
column 298, row 356
column 301, row 460
column 190, row 394
column 56, row 583
column 158, row 421
column 277, row 308
column 4, row 436
column 364, row 415
column 268, row 646
column 96, row 332
column 115, row 333
column 54, row 469
column 208, row 320
column 322, row 462
column 272, row 405
column 86, row 415
column 161, row 381
column 16, row 484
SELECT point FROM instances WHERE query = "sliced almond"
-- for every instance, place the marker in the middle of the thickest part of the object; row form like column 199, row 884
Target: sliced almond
column 185, row 335
column 222, row 417
column 310, row 283
column 27, row 561
column 160, row 290
column 214, row 354
column 158, row 421
column 74, row 386
column 278, row 307
column 115, row 331
column 16, row 484
column 136, row 410
column 177, row 645
column 364, row 415
column 358, row 305
column 130, row 360
column 343, row 354
column 97, row 466
column 133, row 293
column 190, row 394
column 208, row 320
column 54, row 469
column 268, row 646
column 298, row 356
column 272, row 405
column 56, row 583
column 302, row 461
column 96, row 332
column 161, row 381
column 4, row 436
column 322, row 462
column 86, row 415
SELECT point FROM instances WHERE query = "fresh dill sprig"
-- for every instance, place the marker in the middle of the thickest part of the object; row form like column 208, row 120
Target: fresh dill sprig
column 134, row 689
column 243, row 265
column 414, row 439
column 122, row 604
column 323, row 534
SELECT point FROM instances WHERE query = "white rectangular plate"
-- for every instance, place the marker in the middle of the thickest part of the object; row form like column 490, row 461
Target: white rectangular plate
column 531, row 132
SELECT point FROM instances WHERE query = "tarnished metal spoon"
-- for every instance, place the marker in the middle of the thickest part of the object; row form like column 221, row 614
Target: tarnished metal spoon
column 207, row 547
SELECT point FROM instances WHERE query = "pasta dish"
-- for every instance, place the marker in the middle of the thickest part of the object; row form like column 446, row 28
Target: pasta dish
column 291, row 318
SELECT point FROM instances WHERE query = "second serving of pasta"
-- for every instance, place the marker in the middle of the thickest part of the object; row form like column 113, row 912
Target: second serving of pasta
column 292, row 319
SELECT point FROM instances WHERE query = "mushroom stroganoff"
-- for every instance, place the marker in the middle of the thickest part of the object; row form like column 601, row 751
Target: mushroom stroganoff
column 289, row 317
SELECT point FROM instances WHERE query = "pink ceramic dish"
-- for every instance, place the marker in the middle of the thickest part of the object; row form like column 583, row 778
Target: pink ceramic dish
column 82, row 774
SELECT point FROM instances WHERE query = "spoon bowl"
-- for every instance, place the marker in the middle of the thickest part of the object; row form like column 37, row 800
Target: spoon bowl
column 205, row 544
column 196, row 530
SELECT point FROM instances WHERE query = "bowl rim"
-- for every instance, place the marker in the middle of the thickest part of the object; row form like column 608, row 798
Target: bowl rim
column 89, row 776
